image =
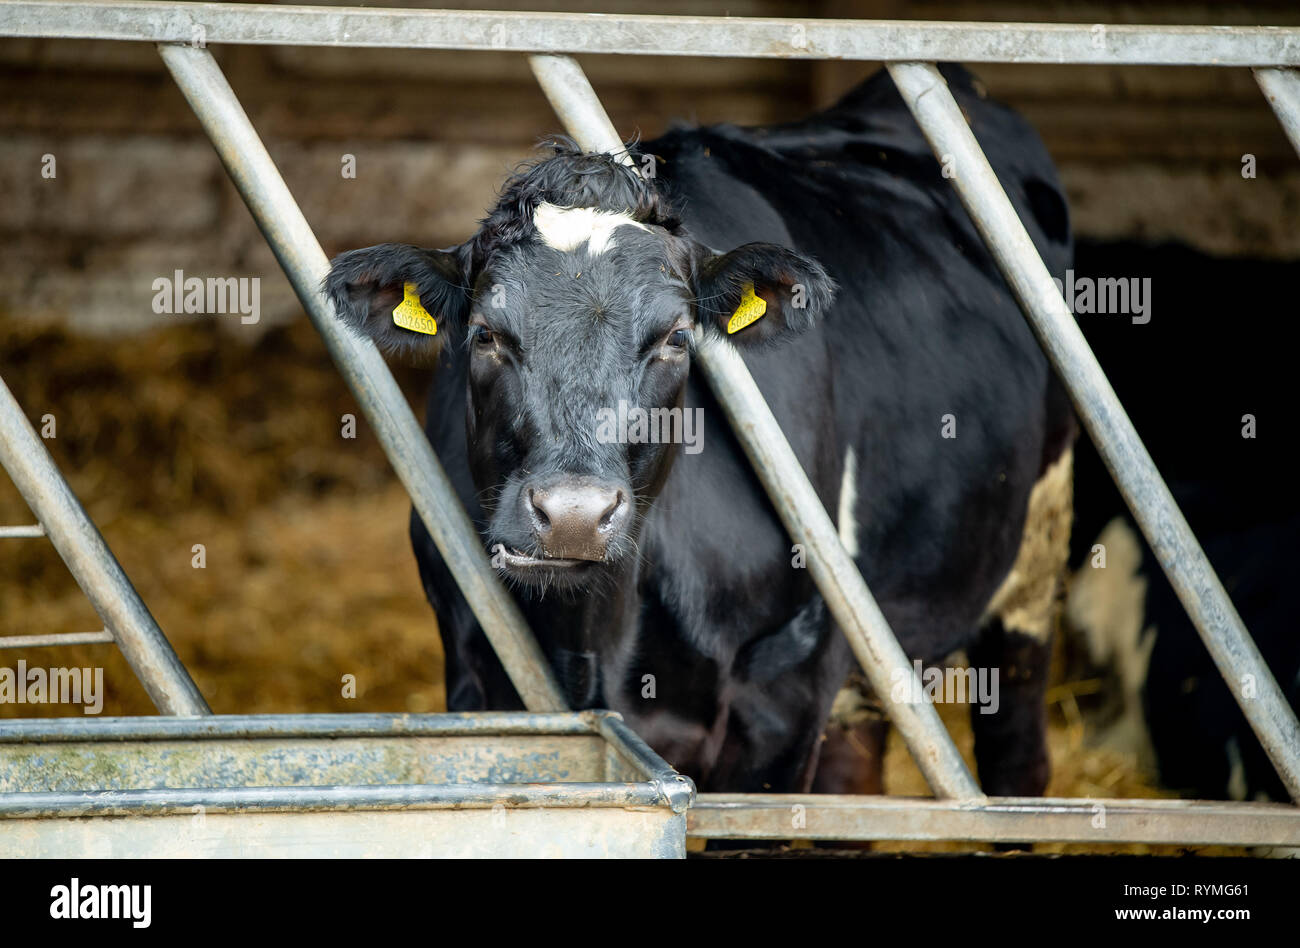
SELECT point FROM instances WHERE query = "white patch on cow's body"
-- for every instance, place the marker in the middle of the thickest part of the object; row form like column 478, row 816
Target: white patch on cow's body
column 848, row 525
column 568, row 228
column 1026, row 600
column 1108, row 606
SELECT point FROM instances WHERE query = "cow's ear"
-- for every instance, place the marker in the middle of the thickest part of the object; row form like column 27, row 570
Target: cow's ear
column 761, row 292
column 427, row 288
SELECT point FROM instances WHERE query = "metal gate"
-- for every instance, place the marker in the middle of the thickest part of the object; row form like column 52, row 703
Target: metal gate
column 909, row 49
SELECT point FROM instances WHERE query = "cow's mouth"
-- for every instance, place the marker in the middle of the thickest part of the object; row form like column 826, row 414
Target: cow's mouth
column 517, row 559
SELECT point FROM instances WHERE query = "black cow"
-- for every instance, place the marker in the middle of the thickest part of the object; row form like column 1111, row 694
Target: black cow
column 657, row 576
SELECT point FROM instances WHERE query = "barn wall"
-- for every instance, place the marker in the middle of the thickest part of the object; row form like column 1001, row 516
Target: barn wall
column 1146, row 154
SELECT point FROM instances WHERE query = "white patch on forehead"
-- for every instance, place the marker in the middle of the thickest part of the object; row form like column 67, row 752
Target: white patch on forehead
column 568, row 228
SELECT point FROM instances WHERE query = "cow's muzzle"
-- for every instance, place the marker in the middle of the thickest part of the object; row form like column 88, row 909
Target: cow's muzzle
column 575, row 519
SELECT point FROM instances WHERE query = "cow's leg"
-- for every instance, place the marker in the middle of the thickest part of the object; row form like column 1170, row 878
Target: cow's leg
column 1016, row 640
column 852, row 754
column 1011, row 734
column 780, row 693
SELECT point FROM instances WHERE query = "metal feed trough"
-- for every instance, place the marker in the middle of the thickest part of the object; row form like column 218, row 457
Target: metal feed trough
column 143, row 778
column 338, row 785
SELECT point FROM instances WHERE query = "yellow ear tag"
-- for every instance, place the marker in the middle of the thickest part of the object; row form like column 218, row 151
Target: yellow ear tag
column 410, row 314
column 750, row 310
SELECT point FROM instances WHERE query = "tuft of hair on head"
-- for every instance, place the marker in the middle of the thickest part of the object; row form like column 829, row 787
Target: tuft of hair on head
column 567, row 177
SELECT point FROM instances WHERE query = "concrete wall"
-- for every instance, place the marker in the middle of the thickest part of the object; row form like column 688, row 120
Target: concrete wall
column 1153, row 154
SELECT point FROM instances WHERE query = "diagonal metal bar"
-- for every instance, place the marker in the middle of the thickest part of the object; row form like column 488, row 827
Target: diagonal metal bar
column 783, row 477
column 927, row 95
column 1282, row 89
column 652, row 35
column 93, row 565
column 299, row 253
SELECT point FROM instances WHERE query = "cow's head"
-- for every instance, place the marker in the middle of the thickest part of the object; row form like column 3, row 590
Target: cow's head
column 579, row 292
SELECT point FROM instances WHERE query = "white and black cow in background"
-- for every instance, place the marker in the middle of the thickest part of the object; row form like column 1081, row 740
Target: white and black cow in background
column 659, row 581
column 1211, row 391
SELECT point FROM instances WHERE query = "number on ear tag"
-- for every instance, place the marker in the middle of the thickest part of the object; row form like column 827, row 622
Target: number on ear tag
column 750, row 310
column 410, row 314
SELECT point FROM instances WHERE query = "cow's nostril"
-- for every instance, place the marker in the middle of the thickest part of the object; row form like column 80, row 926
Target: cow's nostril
column 607, row 518
column 540, row 520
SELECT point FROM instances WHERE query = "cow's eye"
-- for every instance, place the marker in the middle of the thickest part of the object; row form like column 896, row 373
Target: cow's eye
column 482, row 336
column 679, row 338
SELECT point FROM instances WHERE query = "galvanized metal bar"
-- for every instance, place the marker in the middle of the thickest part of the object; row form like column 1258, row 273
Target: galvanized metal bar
column 304, row 262
column 677, row 790
column 653, row 35
column 575, row 103
column 1282, row 89
column 64, row 638
column 82, row 803
column 998, row 820
column 783, row 477
column 254, row 726
column 92, row 563
column 23, row 532
column 1184, row 562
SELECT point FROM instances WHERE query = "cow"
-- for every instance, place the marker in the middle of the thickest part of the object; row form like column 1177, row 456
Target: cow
column 832, row 256
column 1207, row 398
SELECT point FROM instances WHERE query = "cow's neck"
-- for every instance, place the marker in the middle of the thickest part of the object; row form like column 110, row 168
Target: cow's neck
column 589, row 638
column 580, row 634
